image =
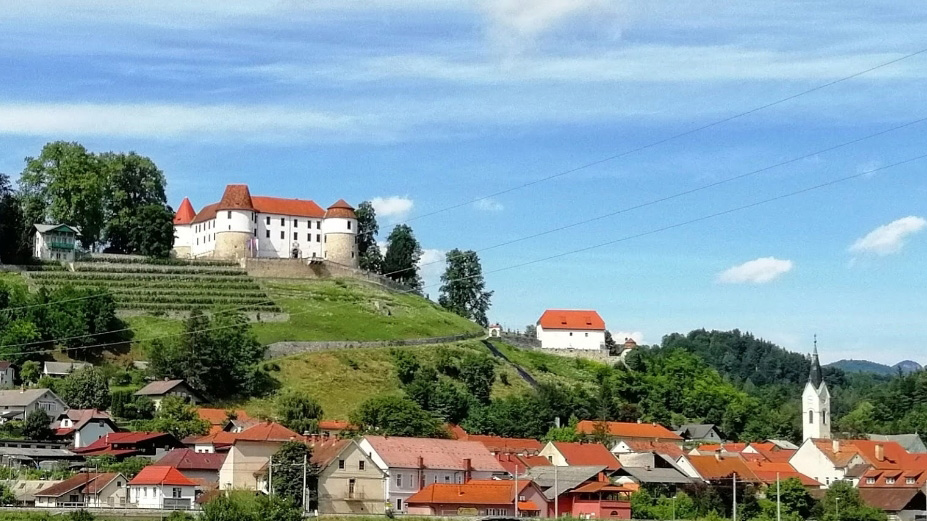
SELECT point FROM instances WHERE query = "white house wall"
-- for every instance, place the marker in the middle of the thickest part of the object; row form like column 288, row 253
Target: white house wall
column 812, row 462
column 91, row 432
column 570, row 339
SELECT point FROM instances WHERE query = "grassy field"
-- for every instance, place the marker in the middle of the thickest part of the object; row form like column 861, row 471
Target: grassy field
column 341, row 380
column 13, row 279
column 546, row 367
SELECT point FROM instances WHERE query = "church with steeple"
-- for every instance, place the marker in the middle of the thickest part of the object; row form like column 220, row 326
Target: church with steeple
column 815, row 400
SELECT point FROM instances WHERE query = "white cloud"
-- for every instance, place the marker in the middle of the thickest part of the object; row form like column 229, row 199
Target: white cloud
column 620, row 336
column 889, row 238
column 489, row 205
column 516, row 23
column 757, row 271
column 394, row 207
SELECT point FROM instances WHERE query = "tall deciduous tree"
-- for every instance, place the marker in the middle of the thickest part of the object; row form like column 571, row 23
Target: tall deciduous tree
column 37, row 426
column 290, row 463
column 13, row 245
column 396, row 416
column 369, row 256
column 66, row 184
column 403, row 253
column 85, row 389
column 298, row 411
column 138, row 219
column 178, row 418
column 463, row 290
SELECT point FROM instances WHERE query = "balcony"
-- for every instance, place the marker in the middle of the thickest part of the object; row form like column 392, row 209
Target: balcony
column 61, row 245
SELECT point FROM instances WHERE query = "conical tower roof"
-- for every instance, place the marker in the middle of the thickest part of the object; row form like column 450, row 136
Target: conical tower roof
column 341, row 209
column 185, row 213
column 236, row 197
column 815, row 377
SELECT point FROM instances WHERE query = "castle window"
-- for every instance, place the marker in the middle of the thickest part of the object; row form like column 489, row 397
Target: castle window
column 255, row 232
column 282, row 223
column 229, row 214
column 295, row 223
column 268, row 233
column 349, row 225
column 268, row 220
column 282, row 234
column 318, row 238
column 309, row 235
column 295, row 236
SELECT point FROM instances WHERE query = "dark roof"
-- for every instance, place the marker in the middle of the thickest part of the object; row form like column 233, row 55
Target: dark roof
column 188, row 459
column 888, row 499
column 162, row 387
column 911, row 442
column 656, row 475
column 567, row 478
column 697, row 431
column 87, row 482
column 815, row 377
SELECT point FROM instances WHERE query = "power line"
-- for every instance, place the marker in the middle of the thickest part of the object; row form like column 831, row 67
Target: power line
column 670, row 138
column 559, row 255
column 676, row 195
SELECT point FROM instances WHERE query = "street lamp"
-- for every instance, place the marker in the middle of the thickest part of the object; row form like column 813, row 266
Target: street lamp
column 837, row 507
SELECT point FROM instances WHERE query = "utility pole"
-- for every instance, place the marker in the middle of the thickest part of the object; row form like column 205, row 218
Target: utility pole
column 305, row 462
column 556, row 495
column 837, row 506
column 778, row 500
column 270, row 477
column 734, row 517
column 516, row 490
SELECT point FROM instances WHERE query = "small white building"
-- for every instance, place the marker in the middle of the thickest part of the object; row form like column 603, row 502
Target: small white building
column 162, row 487
column 7, row 374
column 494, row 330
column 83, row 426
column 571, row 329
column 55, row 242
column 87, row 489
column 16, row 404
column 63, row 368
column 159, row 389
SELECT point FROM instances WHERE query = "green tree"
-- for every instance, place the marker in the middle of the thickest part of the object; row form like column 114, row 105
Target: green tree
column 152, row 231
column 794, row 498
column 610, row 343
column 30, row 372
column 136, row 205
column 406, row 365
column 298, row 411
column 13, row 226
column 85, row 389
column 463, row 287
column 369, row 256
column 37, row 425
column 179, row 418
column 290, row 462
column 403, row 253
column 567, row 434
column 844, row 497
column 478, row 374
column 396, row 416
column 20, row 338
column 66, row 184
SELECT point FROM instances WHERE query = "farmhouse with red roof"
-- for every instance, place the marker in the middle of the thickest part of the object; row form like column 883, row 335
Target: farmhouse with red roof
column 571, row 329
column 241, row 225
column 162, row 487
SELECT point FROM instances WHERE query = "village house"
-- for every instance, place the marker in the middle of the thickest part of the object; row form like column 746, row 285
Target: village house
column 500, row 445
column 7, row 375
column 159, row 389
column 769, row 473
column 122, row 445
column 515, row 464
column 581, row 492
column 336, row 428
column 480, row 498
column 706, row 432
column 81, row 427
column 350, row 482
column 197, row 466
column 219, row 419
column 629, row 431
column 565, row 454
column 24, row 490
column 897, row 487
column 649, row 463
column 250, row 452
column 162, row 487
column 62, row 369
column 571, row 329
column 412, row 463
column 829, row 461
column 241, row 225
column 16, row 404
column 56, row 242
column 717, row 469
column 85, row 490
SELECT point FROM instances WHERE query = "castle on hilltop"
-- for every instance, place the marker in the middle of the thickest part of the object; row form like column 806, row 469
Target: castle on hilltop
column 241, row 226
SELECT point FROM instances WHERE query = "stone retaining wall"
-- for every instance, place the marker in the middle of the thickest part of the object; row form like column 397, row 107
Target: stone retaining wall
column 526, row 342
column 318, row 269
column 281, row 349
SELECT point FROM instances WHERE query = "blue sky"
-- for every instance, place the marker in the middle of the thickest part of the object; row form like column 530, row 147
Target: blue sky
column 426, row 104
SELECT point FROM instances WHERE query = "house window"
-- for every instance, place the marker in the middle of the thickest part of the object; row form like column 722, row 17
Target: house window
column 909, row 481
column 341, row 464
column 318, row 238
column 229, row 214
column 870, row 481
column 295, row 236
column 318, row 225
column 268, row 233
column 255, row 232
column 282, row 221
column 295, row 223
column 827, row 481
column 824, row 417
column 571, row 333
column 268, row 220
column 810, row 416
column 175, row 493
column 889, row 481
column 360, row 465
column 447, row 478
column 398, row 503
column 351, row 485
column 587, row 335
column 398, row 480
column 458, row 479
column 282, row 234
column 349, row 225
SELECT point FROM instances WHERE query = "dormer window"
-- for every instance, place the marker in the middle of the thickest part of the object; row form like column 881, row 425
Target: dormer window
column 870, row 481
column 889, row 481
column 909, row 481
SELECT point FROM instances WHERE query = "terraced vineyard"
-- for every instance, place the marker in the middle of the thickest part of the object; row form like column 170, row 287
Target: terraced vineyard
column 152, row 288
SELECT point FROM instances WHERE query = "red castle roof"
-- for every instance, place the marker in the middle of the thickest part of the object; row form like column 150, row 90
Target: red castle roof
column 185, row 213
column 571, row 319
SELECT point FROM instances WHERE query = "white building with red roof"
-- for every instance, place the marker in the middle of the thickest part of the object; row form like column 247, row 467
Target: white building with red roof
column 162, row 487
column 571, row 329
column 241, row 225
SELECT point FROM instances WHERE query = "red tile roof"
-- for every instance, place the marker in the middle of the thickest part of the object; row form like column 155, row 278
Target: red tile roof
column 185, row 213
column 341, row 209
column 571, row 319
column 336, row 425
column 475, row 492
column 650, row 431
column 268, row 431
column 161, row 475
column 220, row 416
column 435, row 454
column 325, row 450
column 86, row 483
column 769, row 473
column 187, row 459
column 281, row 206
column 894, row 455
column 236, row 197
column 722, row 467
column 723, row 447
column 513, row 445
column 587, row 454
column 206, row 213
column 121, row 443
column 516, row 463
column 660, row 447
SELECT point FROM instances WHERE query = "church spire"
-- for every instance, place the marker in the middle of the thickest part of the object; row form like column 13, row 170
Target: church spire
column 815, row 377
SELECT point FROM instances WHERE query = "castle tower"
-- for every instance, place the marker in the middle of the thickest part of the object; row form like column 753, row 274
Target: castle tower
column 815, row 401
column 340, row 230
column 183, row 232
column 234, row 223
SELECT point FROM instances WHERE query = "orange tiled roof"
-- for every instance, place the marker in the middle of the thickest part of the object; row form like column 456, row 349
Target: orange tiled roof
column 517, row 463
column 571, row 319
column 514, row 445
column 336, row 425
column 629, row 430
column 161, row 475
column 236, row 197
column 185, row 213
column 434, row 453
column 769, row 472
column 341, row 209
column 894, row 455
column 587, row 454
column 268, row 431
column 281, row 206
column 219, row 416
column 723, row 447
column 475, row 492
column 206, row 213
column 660, row 447
column 722, row 467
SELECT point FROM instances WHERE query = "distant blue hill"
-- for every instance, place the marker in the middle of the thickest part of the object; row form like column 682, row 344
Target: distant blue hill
column 865, row 366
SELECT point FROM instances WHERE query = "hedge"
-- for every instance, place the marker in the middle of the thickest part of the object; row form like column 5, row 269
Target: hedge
column 115, row 285
column 190, row 307
column 194, row 270
column 132, row 276
column 162, row 262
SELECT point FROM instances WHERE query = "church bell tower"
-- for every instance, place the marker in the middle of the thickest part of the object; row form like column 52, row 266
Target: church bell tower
column 815, row 401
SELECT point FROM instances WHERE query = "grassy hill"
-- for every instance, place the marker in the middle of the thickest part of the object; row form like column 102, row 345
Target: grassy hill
column 341, row 380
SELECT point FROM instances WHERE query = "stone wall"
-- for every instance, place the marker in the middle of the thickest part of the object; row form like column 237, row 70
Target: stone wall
column 341, row 248
column 319, row 269
column 231, row 245
column 280, row 349
column 527, row 342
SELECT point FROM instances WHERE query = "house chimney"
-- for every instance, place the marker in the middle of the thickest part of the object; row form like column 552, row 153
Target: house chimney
column 718, row 456
column 836, row 446
column 638, row 420
column 468, row 468
column 880, row 452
